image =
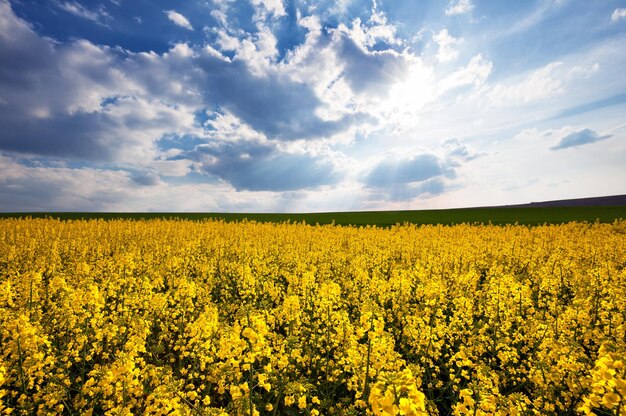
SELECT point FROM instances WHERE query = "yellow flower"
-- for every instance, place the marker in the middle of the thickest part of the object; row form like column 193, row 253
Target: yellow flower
column 168, row 315
column 235, row 392
column 250, row 334
column 302, row 402
column 264, row 383
column 610, row 400
column 405, row 406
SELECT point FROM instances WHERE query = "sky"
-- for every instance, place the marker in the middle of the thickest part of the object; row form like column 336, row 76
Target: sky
column 308, row 106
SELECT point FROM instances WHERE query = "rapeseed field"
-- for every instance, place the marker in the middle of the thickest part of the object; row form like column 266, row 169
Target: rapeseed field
column 176, row 317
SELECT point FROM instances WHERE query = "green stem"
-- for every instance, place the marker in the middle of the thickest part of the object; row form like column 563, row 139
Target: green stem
column 21, row 361
column 367, row 362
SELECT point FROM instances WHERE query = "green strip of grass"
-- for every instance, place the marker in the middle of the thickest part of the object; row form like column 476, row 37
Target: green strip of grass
column 499, row 216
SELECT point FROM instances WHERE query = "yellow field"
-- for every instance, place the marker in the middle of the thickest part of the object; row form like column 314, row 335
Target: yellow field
column 208, row 318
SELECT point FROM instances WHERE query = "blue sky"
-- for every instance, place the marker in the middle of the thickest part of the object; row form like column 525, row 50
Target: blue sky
column 276, row 105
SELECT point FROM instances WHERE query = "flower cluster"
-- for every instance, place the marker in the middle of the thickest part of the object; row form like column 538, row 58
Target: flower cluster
column 608, row 383
column 173, row 317
column 396, row 393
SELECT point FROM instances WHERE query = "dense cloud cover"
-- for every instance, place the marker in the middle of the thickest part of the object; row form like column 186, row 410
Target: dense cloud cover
column 283, row 105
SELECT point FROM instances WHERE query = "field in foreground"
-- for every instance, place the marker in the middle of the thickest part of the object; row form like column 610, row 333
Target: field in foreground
column 210, row 318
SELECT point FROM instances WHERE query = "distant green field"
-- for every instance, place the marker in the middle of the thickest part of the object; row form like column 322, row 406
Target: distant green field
column 499, row 215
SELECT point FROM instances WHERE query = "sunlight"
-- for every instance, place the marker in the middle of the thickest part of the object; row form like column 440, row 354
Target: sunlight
column 409, row 96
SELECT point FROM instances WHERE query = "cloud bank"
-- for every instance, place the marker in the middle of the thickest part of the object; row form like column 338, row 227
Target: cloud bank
column 271, row 106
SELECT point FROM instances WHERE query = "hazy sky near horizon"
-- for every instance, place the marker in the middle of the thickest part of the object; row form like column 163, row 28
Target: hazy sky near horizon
column 277, row 105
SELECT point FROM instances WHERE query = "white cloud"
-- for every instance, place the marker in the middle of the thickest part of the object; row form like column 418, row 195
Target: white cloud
column 618, row 14
column 475, row 73
column 360, row 87
column 178, row 19
column 50, row 188
column 136, row 123
column 77, row 9
column 58, row 188
column 264, row 8
column 447, row 51
column 83, row 101
column 460, row 7
column 526, row 154
column 543, row 83
column 353, row 77
column 376, row 29
column 181, row 50
column 227, row 127
column 70, row 77
column 584, row 71
column 220, row 16
column 225, row 41
column 339, row 7
column 258, row 52
column 379, row 28
column 549, row 81
column 172, row 168
column 298, row 56
column 368, row 34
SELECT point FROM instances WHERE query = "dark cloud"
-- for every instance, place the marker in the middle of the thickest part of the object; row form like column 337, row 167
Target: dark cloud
column 579, row 138
column 274, row 105
column 428, row 188
column 80, row 100
column 74, row 136
column 39, row 73
column 96, row 136
column 371, row 71
column 421, row 175
column 393, row 171
column 38, row 94
column 262, row 167
column 145, row 178
column 27, row 60
column 407, row 191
